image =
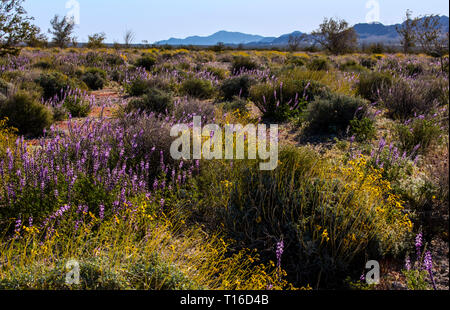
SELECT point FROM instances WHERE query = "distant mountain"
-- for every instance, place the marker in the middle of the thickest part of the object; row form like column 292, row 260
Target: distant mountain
column 377, row 32
column 225, row 37
column 367, row 33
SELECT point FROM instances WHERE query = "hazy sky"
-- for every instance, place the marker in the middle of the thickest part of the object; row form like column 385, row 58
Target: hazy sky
column 155, row 20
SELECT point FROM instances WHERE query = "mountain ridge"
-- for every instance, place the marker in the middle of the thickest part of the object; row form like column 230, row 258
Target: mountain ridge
column 367, row 33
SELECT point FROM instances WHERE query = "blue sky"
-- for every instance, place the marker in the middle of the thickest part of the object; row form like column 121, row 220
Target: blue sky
column 155, row 20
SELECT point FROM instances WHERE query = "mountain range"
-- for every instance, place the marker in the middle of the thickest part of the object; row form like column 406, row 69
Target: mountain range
column 367, row 33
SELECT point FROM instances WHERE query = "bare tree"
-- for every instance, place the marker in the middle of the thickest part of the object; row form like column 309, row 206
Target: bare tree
column 15, row 26
column 295, row 40
column 62, row 30
column 129, row 37
column 407, row 33
column 336, row 36
column 431, row 37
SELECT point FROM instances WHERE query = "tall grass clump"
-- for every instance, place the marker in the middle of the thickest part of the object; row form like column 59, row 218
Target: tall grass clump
column 328, row 215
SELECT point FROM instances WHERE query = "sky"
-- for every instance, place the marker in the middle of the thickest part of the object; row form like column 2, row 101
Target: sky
column 155, row 20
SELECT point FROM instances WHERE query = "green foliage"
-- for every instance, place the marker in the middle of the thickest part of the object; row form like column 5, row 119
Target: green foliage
column 333, row 113
column 236, row 86
column 363, row 129
column 15, row 27
column 217, row 72
column 146, row 61
column 353, row 66
column 96, row 40
column 416, row 279
column 26, row 114
column 369, row 84
column 154, row 100
column 94, row 78
column 420, row 133
column 76, row 106
column 368, row 62
column 312, row 209
column 198, row 88
column 318, row 64
column 236, row 104
column 55, row 82
column 242, row 63
column 278, row 101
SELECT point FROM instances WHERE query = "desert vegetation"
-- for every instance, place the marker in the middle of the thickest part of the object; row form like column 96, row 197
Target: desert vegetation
column 86, row 171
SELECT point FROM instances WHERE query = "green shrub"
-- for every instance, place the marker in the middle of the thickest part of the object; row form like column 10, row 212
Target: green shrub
column 77, row 106
column 236, row 104
column 408, row 97
column 26, row 114
column 43, row 64
column 327, row 220
column 278, row 101
column 236, row 86
column 94, row 78
column 154, row 100
column 198, row 88
column 369, row 84
column 368, row 62
column 318, row 64
column 420, row 133
column 243, row 63
column 296, row 61
column 333, row 113
column 217, row 72
column 352, row 66
column 363, row 129
column 147, row 62
column 413, row 69
column 54, row 83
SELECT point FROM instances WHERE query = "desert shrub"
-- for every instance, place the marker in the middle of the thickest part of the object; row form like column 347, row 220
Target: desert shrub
column 405, row 98
column 26, row 114
column 368, row 62
column 241, row 63
column 137, row 87
column 280, row 101
column 318, row 64
column 413, row 69
column 154, row 100
column 114, row 60
column 419, row 135
column 333, row 113
column 146, row 61
column 54, row 83
column 296, row 61
column 236, row 86
column 369, row 84
column 43, row 64
column 76, row 105
column 217, row 72
column 236, row 104
column 362, row 129
column 314, row 209
column 198, row 88
column 94, row 78
column 352, row 66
